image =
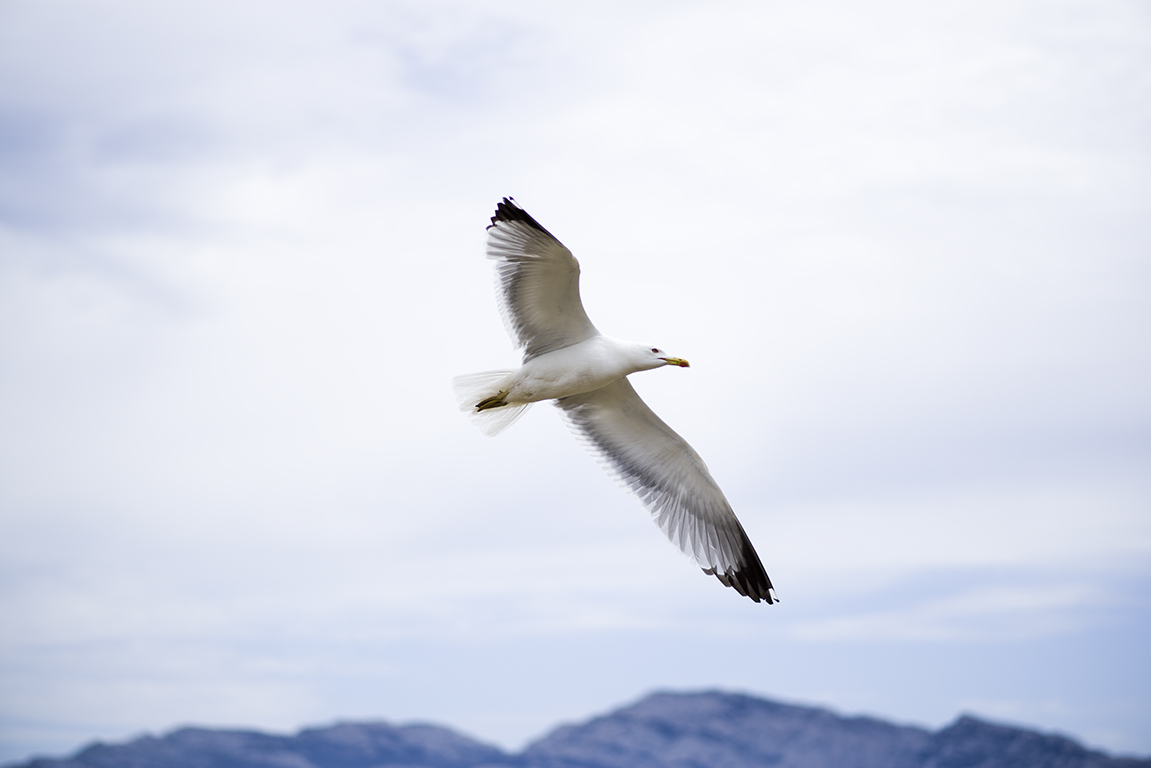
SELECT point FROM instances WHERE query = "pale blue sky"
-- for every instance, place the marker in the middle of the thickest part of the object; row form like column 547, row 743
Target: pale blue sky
column 905, row 247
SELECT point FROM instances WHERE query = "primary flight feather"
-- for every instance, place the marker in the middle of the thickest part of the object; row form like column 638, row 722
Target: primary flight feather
column 568, row 360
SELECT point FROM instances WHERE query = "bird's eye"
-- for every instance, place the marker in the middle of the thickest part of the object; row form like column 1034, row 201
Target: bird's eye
column 653, row 349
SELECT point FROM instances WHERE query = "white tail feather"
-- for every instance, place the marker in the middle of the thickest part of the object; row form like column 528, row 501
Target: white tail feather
column 471, row 388
column 495, row 420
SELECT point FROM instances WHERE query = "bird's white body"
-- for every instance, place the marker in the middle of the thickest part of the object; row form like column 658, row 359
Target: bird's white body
column 580, row 368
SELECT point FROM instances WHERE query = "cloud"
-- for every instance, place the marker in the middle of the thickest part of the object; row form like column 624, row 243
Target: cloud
column 986, row 614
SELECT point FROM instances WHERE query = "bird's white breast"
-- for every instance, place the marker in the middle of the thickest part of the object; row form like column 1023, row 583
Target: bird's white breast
column 572, row 370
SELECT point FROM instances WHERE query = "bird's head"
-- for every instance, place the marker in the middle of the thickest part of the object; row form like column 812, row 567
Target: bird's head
column 654, row 357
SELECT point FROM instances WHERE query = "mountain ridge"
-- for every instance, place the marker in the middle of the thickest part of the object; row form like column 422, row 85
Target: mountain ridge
column 704, row 729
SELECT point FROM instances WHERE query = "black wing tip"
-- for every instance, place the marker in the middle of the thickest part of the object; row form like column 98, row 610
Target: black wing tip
column 749, row 578
column 509, row 210
column 749, row 583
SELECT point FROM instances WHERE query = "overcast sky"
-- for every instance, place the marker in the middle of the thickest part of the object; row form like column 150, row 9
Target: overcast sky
column 905, row 246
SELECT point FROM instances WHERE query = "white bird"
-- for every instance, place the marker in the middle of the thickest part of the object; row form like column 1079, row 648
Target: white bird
column 568, row 360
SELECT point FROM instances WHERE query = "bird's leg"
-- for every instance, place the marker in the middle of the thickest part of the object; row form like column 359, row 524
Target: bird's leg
column 495, row 401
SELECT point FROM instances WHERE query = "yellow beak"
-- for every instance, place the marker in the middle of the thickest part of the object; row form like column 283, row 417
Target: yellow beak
column 675, row 361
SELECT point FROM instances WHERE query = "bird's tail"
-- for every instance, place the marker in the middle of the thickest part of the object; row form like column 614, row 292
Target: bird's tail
column 479, row 394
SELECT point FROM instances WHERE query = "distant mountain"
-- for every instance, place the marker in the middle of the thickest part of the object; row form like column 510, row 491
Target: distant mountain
column 664, row 730
column 347, row 745
column 698, row 730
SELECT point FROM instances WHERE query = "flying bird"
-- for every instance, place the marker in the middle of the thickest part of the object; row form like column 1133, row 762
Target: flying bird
column 566, row 359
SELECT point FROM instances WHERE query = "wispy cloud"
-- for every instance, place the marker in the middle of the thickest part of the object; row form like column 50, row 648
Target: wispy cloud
column 988, row 614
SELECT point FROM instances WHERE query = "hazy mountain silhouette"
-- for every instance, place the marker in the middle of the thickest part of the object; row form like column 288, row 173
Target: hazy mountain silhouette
column 664, row 730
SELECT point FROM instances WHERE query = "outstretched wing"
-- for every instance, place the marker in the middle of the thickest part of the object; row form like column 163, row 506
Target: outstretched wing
column 537, row 283
column 649, row 459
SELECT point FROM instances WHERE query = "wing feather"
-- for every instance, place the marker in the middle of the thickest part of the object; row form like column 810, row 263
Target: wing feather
column 537, row 283
column 649, row 459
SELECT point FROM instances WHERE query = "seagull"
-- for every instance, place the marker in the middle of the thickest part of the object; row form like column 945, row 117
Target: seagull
column 567, row 360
